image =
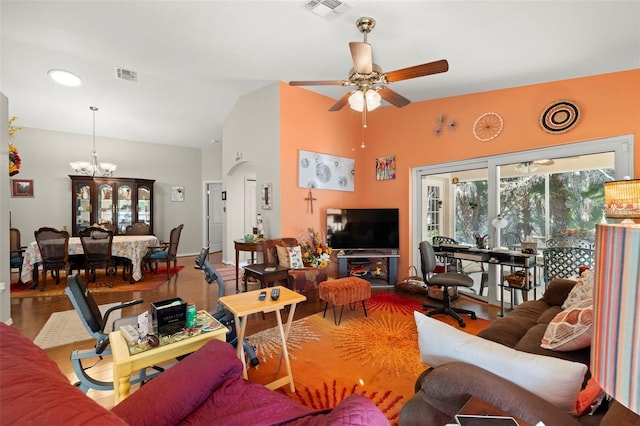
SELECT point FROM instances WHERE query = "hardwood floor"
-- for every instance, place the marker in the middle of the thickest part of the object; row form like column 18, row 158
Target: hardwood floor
column 30, row 315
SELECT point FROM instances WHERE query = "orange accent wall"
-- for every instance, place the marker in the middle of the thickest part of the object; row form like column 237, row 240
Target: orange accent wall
column 609, row 105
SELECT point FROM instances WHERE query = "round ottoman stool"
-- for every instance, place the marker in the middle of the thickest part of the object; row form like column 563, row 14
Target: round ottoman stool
column 344, row 291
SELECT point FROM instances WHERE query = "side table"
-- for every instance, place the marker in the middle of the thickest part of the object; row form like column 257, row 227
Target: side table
column 240, row 244
column 266, row 274
column 124, row 363
column 243, row 304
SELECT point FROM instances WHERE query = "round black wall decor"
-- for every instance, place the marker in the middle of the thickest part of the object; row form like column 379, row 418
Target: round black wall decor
column 559, row 117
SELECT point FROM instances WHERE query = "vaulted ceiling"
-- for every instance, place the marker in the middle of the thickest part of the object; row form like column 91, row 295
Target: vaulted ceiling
column 193, row 59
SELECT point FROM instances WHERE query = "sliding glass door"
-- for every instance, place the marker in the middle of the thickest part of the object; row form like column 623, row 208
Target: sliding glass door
column 541, row 193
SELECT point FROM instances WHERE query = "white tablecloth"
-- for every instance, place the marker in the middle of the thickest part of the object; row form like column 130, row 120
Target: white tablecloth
column 130, row 246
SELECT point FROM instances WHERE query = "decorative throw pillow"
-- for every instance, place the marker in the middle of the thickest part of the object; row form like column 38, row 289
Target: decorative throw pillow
column 582, row 290
column 571, row 328
column 290, row 257
column 555, row 380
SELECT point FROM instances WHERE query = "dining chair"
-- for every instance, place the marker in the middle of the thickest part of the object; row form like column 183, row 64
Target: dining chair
column 165, row 252
column 54, row 250
column 138, row 228
column 565, row 262
column 568, row 242
column 16, row 252
column 96, row 244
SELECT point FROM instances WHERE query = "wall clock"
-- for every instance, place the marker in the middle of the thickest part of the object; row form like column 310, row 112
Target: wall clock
column 488, row 126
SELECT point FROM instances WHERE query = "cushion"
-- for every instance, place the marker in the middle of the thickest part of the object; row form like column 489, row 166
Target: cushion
column 587, row 396
column 582, row 290
column 571, row 328
column 554, row 380
column 290, row 256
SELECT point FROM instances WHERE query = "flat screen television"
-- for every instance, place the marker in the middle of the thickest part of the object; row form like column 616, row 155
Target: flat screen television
column 352, row 229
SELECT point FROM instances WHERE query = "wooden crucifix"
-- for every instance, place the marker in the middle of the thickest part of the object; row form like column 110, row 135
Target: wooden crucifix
column 310, row 199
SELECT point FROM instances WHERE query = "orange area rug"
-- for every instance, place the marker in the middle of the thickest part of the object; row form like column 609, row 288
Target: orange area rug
column 376, row 356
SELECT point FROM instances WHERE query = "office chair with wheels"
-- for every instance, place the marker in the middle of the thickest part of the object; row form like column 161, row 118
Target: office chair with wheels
column 95, row 323
column 444, row 280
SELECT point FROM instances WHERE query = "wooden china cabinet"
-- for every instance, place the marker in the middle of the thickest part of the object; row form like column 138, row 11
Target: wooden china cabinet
column 114, row 202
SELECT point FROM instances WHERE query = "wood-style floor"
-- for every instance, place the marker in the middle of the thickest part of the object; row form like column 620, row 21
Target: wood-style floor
column 30, row 315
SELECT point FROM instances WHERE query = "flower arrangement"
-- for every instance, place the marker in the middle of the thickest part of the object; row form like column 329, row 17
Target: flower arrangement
column 481, row 241
column 14, row 159
column 315, row 252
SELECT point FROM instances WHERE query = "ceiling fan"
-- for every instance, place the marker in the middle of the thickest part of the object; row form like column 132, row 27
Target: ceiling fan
column 532, row 166
column 368, row 78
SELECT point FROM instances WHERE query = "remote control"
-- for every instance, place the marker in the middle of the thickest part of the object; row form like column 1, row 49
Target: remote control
column 275, row 293
column 263, row 295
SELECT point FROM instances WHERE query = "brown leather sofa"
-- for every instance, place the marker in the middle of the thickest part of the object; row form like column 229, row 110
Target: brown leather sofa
column 441, row 392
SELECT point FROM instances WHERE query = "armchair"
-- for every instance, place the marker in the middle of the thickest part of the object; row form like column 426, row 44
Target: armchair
column 300, row 279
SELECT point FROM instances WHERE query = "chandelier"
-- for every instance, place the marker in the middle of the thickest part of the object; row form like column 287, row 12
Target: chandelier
column 93, row 167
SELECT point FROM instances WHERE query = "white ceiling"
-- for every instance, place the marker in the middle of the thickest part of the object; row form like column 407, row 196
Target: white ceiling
column 195, row 58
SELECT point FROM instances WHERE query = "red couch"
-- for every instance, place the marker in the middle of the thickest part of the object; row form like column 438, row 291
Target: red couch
column 205, row 388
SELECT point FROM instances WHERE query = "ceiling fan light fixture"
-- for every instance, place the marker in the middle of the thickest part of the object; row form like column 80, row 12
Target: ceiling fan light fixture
column 359, row 97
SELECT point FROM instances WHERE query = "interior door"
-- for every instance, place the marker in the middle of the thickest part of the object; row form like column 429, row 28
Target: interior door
column 249, row 205
column 214, row 214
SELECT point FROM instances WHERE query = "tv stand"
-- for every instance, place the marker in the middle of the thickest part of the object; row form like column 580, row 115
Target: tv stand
column 379, row 267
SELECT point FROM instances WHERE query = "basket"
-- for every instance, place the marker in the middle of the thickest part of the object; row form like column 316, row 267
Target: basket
column 413, row 283
column 515, row 280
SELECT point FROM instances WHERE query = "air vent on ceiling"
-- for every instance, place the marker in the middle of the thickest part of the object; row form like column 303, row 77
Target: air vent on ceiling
column 326, row 7
column 128, row 75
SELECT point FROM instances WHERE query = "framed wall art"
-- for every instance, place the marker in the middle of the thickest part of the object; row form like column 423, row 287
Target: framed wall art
column 21, row 188
column 266, row 197
column 323, row 171
column 177, row 193
column 386, row 167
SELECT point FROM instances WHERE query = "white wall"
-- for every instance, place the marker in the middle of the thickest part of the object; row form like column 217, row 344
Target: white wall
column 45, row 159
column 252, row 131
column 5, row 276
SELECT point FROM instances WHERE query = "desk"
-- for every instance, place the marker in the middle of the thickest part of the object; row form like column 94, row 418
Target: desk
column 130, row 246
column 259, row 272
column 243, row 304
column 124, row 363
column 241, row 245
column 514, row 259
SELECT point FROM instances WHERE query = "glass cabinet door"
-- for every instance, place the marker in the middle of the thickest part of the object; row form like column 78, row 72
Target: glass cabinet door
column 82, row 205
column 124, row 208
column 144, row 204
column 106, row 208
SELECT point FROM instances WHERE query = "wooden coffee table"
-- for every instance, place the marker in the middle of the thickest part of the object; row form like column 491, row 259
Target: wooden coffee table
column 243, row 304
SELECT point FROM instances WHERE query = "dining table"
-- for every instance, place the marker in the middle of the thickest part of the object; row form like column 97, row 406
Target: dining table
column 132, row 247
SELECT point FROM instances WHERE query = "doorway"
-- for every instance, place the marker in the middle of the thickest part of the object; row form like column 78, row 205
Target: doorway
column 214, row 217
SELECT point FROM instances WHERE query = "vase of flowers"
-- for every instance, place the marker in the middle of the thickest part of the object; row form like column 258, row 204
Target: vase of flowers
column 14, row 159
column 315, row 252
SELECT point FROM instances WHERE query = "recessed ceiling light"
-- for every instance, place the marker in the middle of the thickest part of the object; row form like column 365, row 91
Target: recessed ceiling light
column 66, row 78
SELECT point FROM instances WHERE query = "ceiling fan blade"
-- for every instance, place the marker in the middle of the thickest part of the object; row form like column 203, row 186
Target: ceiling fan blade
column 361, row 54
column 317, row 83
column 394, row 98
column 545, row 162
column 341, row 102
column 418, row 71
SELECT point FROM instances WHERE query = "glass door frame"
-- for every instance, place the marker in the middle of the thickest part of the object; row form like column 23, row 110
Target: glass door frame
column 622, row 146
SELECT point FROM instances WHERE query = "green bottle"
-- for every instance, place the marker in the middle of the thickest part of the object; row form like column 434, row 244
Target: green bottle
column 191, row 315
